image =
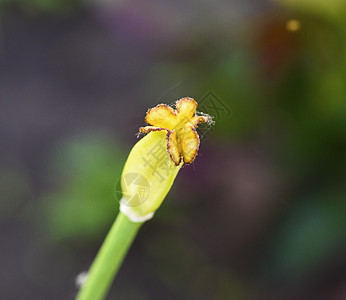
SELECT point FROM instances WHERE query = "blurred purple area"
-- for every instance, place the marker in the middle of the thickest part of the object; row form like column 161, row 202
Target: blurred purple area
column 261, row 212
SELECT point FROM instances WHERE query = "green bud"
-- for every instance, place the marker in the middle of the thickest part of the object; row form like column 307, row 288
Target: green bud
column 148, row 175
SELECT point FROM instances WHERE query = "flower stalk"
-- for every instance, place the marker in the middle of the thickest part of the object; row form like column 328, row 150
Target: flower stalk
column 109, row 259
column 147, row 177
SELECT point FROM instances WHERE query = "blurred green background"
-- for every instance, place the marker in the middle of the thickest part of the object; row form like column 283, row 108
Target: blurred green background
column 260, row 214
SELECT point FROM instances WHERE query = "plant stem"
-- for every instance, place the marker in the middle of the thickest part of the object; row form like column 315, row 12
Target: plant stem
column 109, row 259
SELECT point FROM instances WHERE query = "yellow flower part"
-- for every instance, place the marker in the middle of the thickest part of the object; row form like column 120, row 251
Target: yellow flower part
column 147, row 177
column 180, row 125
column 156, row 159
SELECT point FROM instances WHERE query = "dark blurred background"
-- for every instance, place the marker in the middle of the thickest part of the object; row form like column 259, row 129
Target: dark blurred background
column 260, row 214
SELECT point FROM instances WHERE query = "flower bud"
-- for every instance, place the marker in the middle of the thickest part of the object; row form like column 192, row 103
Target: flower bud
column 156, row 159
column 147, row 177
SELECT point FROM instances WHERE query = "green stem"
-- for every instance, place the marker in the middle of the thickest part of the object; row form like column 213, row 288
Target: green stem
column 109, row 259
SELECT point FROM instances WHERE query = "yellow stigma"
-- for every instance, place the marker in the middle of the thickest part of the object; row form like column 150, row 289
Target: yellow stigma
column 180, row 125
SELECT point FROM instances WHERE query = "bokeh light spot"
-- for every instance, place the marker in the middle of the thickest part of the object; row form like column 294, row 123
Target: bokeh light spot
column 293, row 25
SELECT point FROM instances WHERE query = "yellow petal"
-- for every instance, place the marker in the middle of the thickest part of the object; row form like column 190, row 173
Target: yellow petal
column 147, row 176
column 186, row 108
column 173, row 148
column 147, row 129
column 189, row 143
column 161, row 115
column 200, row 119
